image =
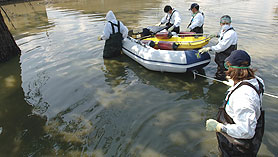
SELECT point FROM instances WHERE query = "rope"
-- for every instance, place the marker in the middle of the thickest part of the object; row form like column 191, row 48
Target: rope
column 178, row 42
column 271, row 95
column 207, row 38
column 198, row 34
column 195, row 73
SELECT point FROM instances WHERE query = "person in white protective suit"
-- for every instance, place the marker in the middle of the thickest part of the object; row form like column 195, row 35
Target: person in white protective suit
column 240, row 122
column 227, row 42
column 197, row 21
column 172, row 19
column 114, row 32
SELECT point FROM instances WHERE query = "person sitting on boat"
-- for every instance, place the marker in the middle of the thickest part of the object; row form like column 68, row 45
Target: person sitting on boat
column 171, row 19
column 197, row 21
column 227, row 43
column 114, row 32
column 240, row 122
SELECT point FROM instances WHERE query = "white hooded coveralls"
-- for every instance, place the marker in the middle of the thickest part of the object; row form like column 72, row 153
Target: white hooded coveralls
column 244, row 108
column 226, row 39
column 108, row 29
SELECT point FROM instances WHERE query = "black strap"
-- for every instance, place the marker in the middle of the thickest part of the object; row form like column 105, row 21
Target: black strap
column 203, row 17
column 231, row 28
column 193, row 19
column 261, row 89
column 190, row 22
column 112, row 25
column 119, row 27
column 171, row 15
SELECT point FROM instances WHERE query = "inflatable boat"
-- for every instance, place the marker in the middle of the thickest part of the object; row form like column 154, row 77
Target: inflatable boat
column 184, row 41
column 177, row 61
column 164, row 40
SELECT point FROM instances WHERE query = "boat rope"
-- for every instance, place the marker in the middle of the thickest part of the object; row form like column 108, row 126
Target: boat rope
column 177, row 42
column 198, row 34
column 196, row 73
column 207, row 38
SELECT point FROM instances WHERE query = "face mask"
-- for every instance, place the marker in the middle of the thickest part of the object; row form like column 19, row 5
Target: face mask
column 225, row 27
column 193, row 14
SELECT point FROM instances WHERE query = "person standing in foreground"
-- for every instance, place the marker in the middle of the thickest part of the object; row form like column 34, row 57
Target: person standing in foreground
column 197, row 20
column 227, row 43
column 240, row 122
column 172, row 19
column 114, row 32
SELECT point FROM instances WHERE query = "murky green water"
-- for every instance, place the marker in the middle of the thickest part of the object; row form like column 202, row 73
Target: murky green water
column 61, row 98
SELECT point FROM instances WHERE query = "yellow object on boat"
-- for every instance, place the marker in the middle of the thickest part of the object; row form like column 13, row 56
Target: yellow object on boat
column 184, row 43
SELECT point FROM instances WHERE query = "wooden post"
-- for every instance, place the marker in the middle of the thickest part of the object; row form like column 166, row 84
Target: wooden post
column 8, row 46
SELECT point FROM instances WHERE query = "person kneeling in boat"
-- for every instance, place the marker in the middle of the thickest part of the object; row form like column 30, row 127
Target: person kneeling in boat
column 227, row 43
column 197, row 21
column 171, row 19
column 114, row 32
column 240, row 121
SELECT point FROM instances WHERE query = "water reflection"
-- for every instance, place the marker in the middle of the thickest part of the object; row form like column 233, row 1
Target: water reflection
column 165, row 121
column 131, row 16
column 21, row 128
column 115, row 70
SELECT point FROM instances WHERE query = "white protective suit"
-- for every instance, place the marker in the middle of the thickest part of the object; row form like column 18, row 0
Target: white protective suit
column 198, row 21
column 108, row 29
column 244, row 108
column 229, row 38
column 175, row 19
